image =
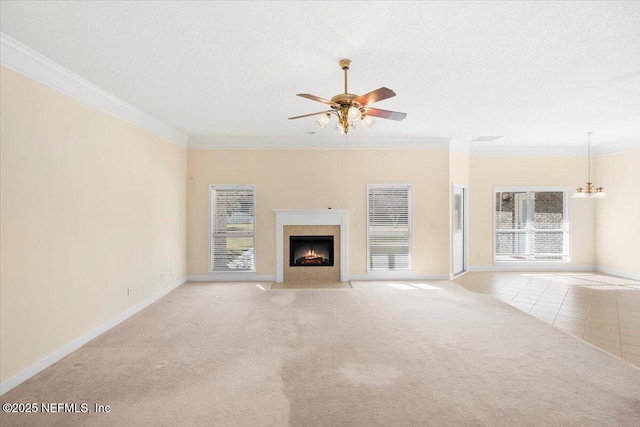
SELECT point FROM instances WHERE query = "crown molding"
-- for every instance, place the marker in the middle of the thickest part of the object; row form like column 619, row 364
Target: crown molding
column 551, row 151
column 602, row 149
column 30, row 63
column 525, row 151
column 404, row 143
column 319, row 143
column 459, row 146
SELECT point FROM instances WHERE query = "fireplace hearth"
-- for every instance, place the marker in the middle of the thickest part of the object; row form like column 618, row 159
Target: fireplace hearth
column 311, row 251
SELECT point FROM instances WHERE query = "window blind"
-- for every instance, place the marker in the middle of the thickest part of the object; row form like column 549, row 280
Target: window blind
column 389, row 227
column 232, row 228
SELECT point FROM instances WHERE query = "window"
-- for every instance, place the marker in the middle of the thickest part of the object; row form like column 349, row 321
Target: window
column 389, row 227
column 531, row 225
column 232, row 226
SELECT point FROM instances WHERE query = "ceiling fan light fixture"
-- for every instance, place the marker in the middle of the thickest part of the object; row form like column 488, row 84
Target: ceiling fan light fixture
column 323, row 120
column 354, row 113
column 368, row 122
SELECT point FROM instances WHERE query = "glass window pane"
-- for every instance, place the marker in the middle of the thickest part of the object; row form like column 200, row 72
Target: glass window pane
column 388, row 253
column 548, row 242
column 548, row 210
column 233, row 253
column 512, row 244
column 511, row 210
column 457, row 215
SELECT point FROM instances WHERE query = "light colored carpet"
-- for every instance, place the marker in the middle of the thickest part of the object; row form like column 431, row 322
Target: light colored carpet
column 311, row 285
column 376, row 355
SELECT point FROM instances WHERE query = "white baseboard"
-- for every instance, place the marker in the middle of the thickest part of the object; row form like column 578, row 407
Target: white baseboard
column 619, row 273
column 462, row 273
column 550, row 267
column 39, row 366
column 233, row 277
column 528, row 267
column 397, row 276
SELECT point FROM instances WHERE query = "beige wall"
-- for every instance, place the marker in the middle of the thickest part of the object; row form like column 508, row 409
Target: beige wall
column 89, row 205
column 311, row 179
column 618, row 215
column 458, row 168
column 488, row 172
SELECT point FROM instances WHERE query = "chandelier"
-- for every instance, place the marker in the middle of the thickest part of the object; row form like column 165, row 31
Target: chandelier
column 583, row 193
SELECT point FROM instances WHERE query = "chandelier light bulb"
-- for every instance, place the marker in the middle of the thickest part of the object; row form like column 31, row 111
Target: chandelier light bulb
column 600, row 194
column 579, row 194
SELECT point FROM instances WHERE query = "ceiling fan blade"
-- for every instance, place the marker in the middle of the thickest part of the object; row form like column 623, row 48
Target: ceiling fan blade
column 384, row 114
column 317, row 98
column 375, row 96
column 309, row 115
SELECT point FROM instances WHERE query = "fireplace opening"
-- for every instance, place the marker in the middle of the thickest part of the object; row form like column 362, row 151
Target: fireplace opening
column 311, row 251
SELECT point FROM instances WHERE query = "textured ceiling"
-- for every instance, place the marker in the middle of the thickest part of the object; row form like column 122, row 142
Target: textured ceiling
column 536, row 73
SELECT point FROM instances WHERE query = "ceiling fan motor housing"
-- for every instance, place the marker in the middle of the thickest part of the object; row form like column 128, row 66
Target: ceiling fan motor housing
column 346, row 99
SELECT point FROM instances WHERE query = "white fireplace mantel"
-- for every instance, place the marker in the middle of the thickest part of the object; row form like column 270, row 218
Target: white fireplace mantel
column 311, row 217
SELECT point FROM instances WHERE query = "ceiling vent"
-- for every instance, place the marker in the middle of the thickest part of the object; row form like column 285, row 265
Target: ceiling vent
column 485, row 138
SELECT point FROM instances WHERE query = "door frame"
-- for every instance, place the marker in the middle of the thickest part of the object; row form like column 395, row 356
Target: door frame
column 465, row 225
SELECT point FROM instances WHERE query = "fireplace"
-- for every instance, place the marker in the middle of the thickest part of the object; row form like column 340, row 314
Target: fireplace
column 310, row 251
column 311, row 222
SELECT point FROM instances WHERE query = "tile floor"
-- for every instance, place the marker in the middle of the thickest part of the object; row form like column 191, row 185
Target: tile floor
column 600, row 309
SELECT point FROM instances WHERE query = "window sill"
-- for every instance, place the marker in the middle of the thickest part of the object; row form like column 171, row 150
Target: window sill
column 232, row 272
column 532, row 262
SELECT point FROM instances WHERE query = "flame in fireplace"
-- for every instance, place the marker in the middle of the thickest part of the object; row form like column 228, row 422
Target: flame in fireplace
column 311, row 251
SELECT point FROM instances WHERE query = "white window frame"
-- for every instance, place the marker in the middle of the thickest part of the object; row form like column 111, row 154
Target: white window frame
column 410, row 216
column 213, row 187
column 566, row 229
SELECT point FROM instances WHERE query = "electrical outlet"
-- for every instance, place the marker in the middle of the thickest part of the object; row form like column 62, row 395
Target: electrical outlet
column 129, row 290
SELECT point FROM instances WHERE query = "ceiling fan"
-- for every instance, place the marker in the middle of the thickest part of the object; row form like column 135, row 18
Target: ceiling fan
column 349, row 108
